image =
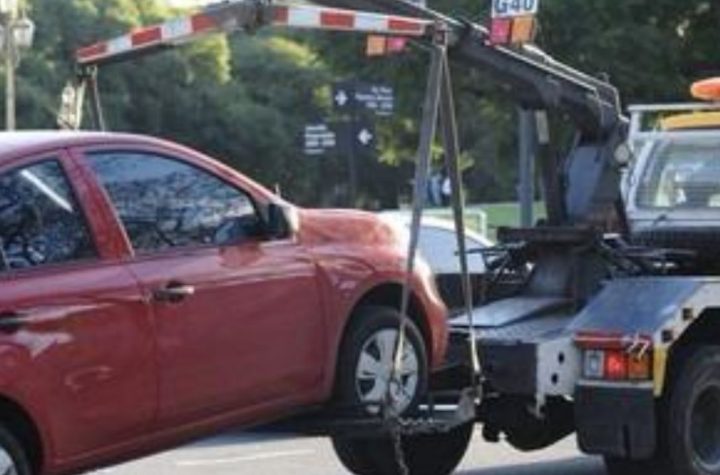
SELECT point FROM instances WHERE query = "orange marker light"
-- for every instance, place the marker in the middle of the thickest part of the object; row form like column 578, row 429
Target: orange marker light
column 707, row 90
column 523, row 29
column 639, row 368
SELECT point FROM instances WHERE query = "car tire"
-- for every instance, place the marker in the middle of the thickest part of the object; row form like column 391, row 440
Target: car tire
column 436, row 454
column 13, row 459
column 366, row 357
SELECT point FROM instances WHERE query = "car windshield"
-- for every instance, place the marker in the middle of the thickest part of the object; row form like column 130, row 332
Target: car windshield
column 682, row 173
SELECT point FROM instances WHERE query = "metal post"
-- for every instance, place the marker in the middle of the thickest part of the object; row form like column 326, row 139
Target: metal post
column 90, row 77
column 9, row 73
column 527, row 134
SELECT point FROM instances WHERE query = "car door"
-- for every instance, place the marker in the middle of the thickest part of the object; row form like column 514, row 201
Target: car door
column 239, row 319
column 73, row 324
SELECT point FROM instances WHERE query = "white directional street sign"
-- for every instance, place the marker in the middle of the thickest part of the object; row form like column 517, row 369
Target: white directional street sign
column 514, row 8
column 319, row 139
column 365, row 137
column 379, row 99
column 351, row 96
column 341, row 98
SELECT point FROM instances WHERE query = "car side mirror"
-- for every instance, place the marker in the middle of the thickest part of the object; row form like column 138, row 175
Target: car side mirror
column 281, row 222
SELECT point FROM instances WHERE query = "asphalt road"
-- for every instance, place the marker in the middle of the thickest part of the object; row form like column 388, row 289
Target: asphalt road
column 272, row 454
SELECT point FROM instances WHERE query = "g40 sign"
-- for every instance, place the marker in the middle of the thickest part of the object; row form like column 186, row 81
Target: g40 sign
column 514, row 8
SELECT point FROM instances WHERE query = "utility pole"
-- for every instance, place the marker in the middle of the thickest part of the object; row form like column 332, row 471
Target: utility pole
column 18, row 32
column 9, row 42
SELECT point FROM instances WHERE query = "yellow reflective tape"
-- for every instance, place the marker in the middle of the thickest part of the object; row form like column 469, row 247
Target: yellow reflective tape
column 699, row 120
column 660, row 359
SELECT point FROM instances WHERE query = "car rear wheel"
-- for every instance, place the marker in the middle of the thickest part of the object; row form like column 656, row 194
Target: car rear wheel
column 13, row 460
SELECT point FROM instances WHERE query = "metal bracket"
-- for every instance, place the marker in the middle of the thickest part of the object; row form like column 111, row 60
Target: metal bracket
column 87, row 78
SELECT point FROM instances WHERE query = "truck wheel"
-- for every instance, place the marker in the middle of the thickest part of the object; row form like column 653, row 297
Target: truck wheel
column 13, row 460
column 436, row 454
column 693, row 413
column 621, row 466
column 366, row 361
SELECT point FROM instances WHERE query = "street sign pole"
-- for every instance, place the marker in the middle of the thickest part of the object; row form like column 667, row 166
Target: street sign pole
column 352, row 156
column 527, row 133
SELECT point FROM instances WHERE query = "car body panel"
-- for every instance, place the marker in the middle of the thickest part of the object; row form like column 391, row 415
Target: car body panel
column 142, row 375
column 81, row 339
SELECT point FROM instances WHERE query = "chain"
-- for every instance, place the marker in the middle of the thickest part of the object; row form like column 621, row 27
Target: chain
column 399, row 452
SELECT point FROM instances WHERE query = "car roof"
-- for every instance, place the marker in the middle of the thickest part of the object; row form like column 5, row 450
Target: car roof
column 23, row 142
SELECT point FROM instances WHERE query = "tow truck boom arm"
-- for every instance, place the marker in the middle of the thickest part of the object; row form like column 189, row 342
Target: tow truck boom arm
column 534, row 76
column 588, row 193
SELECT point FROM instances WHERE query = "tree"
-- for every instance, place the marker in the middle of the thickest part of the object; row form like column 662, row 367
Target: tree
column 246, row 99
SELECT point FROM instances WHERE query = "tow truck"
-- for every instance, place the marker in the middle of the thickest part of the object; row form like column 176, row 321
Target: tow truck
column 613, row 333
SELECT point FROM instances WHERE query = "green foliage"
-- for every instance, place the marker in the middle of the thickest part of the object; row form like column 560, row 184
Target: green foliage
column 246, row 99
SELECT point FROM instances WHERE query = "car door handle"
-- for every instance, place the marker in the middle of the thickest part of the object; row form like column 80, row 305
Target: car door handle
column 12, row 320
column 174, row 292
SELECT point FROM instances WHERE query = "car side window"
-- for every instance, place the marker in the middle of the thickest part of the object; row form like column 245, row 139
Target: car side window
column 41, row 222
column 165, row 203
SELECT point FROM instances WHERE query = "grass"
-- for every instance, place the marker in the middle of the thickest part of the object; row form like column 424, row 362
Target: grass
column 487, row 218
column 507, row 214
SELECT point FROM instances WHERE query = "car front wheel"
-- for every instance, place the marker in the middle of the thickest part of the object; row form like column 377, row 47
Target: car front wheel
column 365, row 370
column 13, row 460
column 366, row 363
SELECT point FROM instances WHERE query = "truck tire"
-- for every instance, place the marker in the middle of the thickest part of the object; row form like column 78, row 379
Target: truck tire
column 355, row 454
column 693, row 413
column 436, row 454
column 688, row 420
column 13, row 459
column 621, row 466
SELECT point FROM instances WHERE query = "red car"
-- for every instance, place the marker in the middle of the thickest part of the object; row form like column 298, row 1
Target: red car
column 150, row 295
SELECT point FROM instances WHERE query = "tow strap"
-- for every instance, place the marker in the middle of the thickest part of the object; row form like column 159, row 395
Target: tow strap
column 439, row 105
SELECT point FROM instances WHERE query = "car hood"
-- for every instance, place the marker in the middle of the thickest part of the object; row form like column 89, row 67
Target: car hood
column 346, row 226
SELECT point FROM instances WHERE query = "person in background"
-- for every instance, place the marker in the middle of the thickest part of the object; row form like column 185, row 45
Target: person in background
column 446, row 190
column 435, row 189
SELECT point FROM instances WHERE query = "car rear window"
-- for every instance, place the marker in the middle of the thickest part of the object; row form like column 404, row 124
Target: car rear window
column 40, row 220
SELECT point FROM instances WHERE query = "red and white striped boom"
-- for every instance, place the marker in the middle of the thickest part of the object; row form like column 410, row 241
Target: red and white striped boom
column 238, row 15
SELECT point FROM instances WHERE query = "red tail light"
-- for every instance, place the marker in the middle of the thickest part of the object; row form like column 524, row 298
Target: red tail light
column 616, row 365
column 614, row 357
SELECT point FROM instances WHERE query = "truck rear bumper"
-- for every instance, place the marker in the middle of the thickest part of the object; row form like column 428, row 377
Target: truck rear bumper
column 616, row 421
